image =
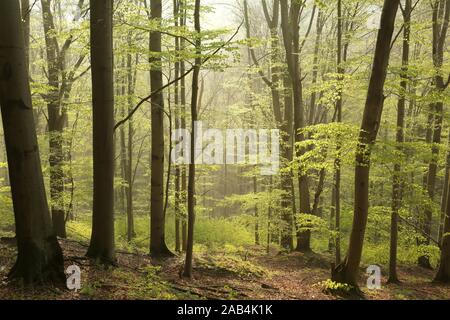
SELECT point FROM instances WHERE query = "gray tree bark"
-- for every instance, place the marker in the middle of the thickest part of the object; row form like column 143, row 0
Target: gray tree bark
column 39, row 256
column 102, row 246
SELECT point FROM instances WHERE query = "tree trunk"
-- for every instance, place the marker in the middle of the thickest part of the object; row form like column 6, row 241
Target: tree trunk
column 39, row 256
column 176, row 13
column 441, row 15
column 443, row 274
column 287, row 183
column 129, row 174
column 397, row 187
column 25, row 14
column 55, row 122
column 444, row 196
column 319, row 29
column 102, row 245
column 255, row 191
column 158, row 245
column 348, row 270
column 290, row 28
column 191, row 185
column 337, row 162
column 183, row 186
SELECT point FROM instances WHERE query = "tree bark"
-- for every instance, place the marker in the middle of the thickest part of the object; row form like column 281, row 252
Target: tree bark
column 183, row 187
column 255, row 191
column 441, row 14
column 444, row 196
column 443, row 274
column 178, row 220
column 131, row 81
column 397, row 186
column 158, row 247
column 39, row 258
column 347, row 272
column 191, row 184
column 337, row 162
column 102, row 245
column 25, row 13
column 55, row 122
column 290, row 16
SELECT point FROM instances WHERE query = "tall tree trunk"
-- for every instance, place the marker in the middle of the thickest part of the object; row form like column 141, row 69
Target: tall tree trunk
column 290, row 17
column 102, row 245
column 287, row 183
column 443, row 274
column 441, row 14
column 183, row 187
column 347, row 271
column 397, row 187
column 337, row 162
column 191, row 185
column 121, row 91
column 444, row 196
column 25, row 14
column 131, row 80
column 158, row 245
column 39, row 256
column 255, row 191
column 176, row 16
column 55, row 122
column 319, row 29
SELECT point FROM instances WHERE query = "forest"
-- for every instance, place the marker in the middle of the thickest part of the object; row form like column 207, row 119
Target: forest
column 225, row 150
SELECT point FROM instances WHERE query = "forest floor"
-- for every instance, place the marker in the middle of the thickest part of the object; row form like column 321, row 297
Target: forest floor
column 248, row 274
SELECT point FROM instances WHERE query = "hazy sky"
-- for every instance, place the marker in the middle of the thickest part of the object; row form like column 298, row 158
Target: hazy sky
column 223, row 15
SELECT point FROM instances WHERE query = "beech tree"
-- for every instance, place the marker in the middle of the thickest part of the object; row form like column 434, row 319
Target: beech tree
column 443, row 273
column 290, row 18
column 39, row 256
column 102, row 239
column 347, row 271
column 158, row 245
column 194, row 117
column 397, row 189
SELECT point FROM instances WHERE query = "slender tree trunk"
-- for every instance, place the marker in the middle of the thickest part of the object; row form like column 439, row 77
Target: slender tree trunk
column 290, row 27
column 183, row 186
column 397, row 190
column 55, row 122
column 443, row 274
column 287, row 183
column 444, row 197
column 332, row 222
column 319, row 29
column 102, row 245
column 191, row 186
column 39, row 256
column 176, row 14
column 337, row 161
column 269, row 217
column 255, row 191
column 121, row 85
column 158, row 245
column 441, row 15
column 347, row 271
column 129, row 174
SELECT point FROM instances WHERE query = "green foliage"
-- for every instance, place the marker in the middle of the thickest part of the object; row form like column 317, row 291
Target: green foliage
column 334, row 288
column 235, row 265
